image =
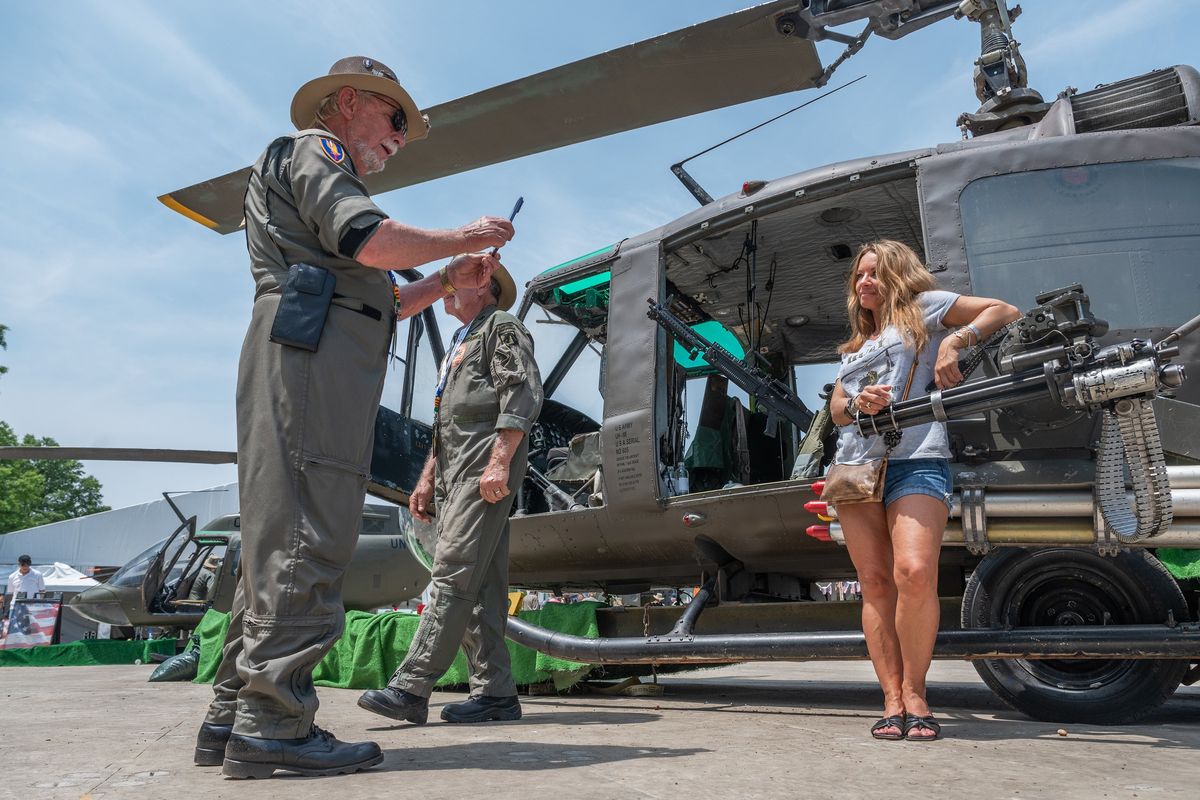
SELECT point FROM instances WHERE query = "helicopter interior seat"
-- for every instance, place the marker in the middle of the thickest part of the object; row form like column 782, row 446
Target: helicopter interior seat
column 174, row 597
column 577, row 464
column 555, row 456
column 554, row 431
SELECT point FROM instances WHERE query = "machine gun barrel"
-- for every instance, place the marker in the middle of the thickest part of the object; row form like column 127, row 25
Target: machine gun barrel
column 969, row 398
column 1117, row 381
column 778, row 399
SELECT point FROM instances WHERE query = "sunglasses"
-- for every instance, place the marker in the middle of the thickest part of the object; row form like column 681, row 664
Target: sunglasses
column 399, row 118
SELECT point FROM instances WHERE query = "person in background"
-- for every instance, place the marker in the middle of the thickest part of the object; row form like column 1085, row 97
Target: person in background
column 203, row 585
column 25, row 579
column 898, row 318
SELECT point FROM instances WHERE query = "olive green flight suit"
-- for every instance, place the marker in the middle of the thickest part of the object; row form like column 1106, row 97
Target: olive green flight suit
column 305, row 429
column 492, row 384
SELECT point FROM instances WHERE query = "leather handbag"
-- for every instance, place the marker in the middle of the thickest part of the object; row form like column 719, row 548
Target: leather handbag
column 855, row 483
column 846, row 484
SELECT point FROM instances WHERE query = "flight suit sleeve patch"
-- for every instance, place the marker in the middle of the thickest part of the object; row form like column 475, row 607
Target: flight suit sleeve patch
column 516, row 378
column 328, row 195
column 333, row 149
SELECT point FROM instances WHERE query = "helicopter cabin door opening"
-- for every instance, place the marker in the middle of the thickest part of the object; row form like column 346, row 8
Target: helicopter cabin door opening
column 167, row 571
column 769, row 288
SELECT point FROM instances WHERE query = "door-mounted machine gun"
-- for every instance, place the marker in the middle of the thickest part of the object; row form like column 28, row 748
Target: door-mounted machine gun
column 1051, row 352
column 774, row 396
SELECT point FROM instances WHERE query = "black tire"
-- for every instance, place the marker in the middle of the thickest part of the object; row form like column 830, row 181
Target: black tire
column 1041, row 587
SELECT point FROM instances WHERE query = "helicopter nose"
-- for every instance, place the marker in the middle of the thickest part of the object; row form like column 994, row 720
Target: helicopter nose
column 100, row 604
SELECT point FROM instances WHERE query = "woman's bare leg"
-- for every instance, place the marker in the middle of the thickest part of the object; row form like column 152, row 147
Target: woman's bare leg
column 865, row 527
column 917, row 523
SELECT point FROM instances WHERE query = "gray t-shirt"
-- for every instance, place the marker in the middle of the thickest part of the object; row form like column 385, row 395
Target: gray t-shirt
column 887, row 360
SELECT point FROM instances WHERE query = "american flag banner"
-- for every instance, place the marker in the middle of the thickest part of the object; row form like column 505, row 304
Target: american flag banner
column 30, row 623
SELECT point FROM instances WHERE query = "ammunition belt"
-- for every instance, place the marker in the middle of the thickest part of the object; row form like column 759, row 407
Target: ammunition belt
column 1129, row 436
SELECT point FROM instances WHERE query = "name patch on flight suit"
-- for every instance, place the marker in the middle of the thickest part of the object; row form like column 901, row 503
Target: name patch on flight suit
column 333, row 149
column 459, row 354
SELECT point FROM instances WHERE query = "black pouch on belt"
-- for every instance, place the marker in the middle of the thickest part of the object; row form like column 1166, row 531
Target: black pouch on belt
column 303, row 307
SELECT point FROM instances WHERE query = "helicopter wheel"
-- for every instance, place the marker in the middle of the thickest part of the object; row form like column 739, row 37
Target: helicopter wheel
column 1050, row 587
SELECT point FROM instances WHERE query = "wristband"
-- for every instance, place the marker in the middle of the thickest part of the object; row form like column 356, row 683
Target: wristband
column 971, row 327
column 447, row 284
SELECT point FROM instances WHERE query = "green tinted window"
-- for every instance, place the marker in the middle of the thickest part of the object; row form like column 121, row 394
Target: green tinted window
column 716, row 333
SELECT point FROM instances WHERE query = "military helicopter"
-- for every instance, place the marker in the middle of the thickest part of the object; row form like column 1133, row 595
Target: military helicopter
column 1079, row 208
column 154, row 589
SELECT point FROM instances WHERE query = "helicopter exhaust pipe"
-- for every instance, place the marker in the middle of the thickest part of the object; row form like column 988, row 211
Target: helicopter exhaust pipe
column 1071, row 642
column 1053, row 532
column 1056, row 518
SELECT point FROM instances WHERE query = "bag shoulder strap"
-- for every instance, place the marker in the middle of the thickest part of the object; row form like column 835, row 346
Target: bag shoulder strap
column 911, row 372
column 892, row 438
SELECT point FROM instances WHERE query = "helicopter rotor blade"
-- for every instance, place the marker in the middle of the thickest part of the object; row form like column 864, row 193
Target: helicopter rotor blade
column 732, row 59
column 118, row 454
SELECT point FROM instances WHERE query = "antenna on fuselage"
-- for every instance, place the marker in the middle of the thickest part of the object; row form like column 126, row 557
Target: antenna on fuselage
column 696, row 190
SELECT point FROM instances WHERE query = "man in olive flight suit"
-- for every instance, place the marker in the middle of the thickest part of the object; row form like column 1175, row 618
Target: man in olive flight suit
column 489, row 393
column 305, row 418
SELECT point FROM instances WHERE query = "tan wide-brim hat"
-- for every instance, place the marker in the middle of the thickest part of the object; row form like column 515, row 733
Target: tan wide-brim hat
column 508, row 289
column 362, row 73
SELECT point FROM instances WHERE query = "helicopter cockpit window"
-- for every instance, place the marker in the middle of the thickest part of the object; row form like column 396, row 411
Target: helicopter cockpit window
column 420, row 371
column 569, row 331
column 134, row 572
column 1128, row 232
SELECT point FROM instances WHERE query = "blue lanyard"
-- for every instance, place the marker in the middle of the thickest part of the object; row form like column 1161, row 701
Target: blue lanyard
column 444, row 375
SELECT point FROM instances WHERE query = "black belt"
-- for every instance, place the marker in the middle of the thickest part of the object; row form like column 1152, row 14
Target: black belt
column 366, row 310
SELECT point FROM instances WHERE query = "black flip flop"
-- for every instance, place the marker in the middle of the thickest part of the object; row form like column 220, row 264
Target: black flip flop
column 895, row 721
column 913, row 722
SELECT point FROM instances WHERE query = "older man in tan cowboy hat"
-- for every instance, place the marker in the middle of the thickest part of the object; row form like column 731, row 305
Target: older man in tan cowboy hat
column 489, row 394
column 309, row 383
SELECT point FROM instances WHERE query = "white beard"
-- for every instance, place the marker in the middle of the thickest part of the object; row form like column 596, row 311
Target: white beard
column 366, row 159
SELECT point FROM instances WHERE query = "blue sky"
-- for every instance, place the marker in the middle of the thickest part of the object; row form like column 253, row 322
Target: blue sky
column 126, row 319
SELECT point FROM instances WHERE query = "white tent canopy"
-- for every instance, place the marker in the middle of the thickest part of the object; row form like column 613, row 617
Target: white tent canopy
column 111, row 538
column 60, row 577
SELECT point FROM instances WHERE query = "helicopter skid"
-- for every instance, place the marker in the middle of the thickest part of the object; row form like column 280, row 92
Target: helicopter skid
column 1071, row 642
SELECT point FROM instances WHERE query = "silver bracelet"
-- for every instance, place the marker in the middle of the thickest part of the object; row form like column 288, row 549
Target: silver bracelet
column 971, row 327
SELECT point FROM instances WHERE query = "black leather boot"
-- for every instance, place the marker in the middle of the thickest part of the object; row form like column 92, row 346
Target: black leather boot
column 396, row 704
column 319, row 753
column 481, row 708
column 210, row 744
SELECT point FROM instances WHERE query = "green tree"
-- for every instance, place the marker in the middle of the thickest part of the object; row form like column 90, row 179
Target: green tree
column 3, row 346
column 41, row 491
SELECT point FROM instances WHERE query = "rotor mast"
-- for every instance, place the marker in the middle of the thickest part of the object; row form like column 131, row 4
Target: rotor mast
column 1001, row 79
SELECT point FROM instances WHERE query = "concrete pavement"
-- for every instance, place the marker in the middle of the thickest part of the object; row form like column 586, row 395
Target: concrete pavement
column 748, row 731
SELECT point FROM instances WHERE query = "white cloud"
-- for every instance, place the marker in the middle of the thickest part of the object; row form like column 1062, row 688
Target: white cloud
column 166, row 52
column 1080, row 37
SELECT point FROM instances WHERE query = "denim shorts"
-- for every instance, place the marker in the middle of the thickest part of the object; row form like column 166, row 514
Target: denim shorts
column 929, row 476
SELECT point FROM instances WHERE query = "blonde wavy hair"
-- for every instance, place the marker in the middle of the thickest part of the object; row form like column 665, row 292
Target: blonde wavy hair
column 901, row 277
